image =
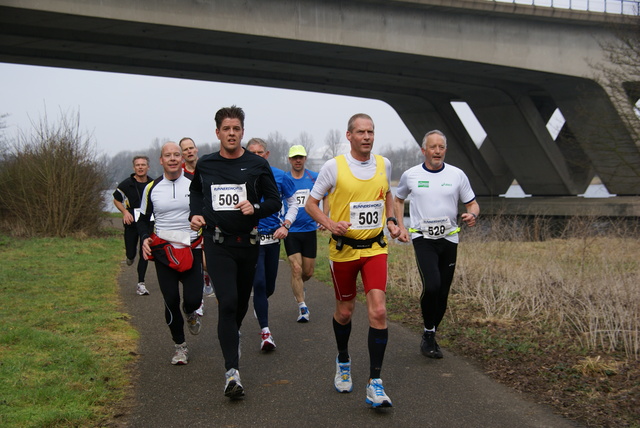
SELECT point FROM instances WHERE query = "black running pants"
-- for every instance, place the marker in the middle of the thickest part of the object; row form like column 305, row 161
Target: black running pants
column 436, row 260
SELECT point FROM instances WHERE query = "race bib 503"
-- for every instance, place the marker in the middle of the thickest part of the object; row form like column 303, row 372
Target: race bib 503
column 366, row 215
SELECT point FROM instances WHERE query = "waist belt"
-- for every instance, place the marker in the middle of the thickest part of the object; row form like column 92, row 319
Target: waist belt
column 358, row 244
column 248, row 238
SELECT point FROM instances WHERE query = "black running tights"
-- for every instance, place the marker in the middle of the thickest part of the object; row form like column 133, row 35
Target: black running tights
column 169, row 280
column 436, row 259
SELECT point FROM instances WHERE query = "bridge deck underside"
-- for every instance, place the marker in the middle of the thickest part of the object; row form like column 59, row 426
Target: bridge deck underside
column 512, row 104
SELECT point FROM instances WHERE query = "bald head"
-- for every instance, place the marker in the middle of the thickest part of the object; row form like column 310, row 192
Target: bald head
column 171, row 160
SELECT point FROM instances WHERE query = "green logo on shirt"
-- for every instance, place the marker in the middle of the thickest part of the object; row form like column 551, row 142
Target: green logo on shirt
column 446, row 185
column 423, row 184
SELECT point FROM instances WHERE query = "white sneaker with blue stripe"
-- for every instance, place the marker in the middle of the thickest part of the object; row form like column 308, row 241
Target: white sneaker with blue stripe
column 342, row 381
column 375, row 394
column 303, row 314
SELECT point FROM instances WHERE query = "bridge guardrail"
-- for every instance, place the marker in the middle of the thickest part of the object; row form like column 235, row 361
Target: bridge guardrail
column 622, row 7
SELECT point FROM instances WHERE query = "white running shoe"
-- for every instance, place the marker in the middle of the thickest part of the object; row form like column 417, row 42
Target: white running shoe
column 232, row 387
column 141, row 289
column 208, row 287
column 193, row 322
column 200, row 310
column 181, row 356
column 303, row 314
column 342, row 381
column 267, row 341
column 375, row 394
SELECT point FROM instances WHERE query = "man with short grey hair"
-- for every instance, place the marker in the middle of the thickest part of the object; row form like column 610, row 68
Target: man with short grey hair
column 435, row 189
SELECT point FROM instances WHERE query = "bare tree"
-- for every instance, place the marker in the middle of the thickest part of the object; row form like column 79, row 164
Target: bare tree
column 3, row 138
column 333, row 144
column 402, row 158
column 206, row 148
column 306, row 141
column 620, row 76
column 278, row 148
column 52, row 181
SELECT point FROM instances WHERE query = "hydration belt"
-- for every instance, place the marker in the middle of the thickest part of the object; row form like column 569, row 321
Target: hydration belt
column 358, row 244
column 219, row 237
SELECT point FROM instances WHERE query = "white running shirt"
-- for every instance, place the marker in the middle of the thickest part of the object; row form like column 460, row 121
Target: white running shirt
column 434, row 194
column 168, row 200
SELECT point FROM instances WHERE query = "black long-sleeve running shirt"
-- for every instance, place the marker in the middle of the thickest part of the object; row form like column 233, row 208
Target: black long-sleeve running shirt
column 215, row 171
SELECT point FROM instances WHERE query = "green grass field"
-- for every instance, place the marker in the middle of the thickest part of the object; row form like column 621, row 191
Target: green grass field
column 65, row 346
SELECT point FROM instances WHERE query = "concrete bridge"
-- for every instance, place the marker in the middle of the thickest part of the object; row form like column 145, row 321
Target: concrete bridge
column 514, row 65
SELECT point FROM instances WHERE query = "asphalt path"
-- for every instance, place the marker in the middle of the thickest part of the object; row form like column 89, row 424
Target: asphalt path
column 293, row 385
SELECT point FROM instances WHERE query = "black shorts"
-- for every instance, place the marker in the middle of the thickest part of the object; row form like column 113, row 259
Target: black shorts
column 305, row 243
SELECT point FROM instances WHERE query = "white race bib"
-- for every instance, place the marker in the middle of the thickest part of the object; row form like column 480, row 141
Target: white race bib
column 435, row 228
column 178, row 238
column 225, row 197
column 268, row 239
column 302, row 196
column 366, row 215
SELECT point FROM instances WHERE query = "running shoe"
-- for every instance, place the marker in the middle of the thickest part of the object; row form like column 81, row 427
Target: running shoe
column 375, row 394
column 342, row 381
column 200, row 310
column 141, row 289
column 181, row 356
column 429, row 347
column 267, row 342
column 129, row 262
column 193, row 321
column 208, row 287
column 303, row 314
column 232, row 387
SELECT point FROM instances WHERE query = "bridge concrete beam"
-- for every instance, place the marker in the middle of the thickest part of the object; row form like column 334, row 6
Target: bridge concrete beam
column 520, row 136
column 400, row 51
column 486, row 170
column 600, row 133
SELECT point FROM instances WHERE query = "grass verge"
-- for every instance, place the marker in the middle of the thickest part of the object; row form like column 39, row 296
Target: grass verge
column 64, row 345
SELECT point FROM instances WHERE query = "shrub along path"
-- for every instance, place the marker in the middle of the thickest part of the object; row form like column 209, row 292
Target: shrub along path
column 293, row 385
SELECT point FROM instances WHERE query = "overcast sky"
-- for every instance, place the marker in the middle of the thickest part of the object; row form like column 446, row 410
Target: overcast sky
column 127, row 112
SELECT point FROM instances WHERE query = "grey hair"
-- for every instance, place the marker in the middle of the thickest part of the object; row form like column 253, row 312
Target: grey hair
column 258, row 141
column 435, row 131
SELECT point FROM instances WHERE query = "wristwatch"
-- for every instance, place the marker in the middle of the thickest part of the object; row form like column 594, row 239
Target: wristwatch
column 392, row 219
column 286, row 226
column 256, row 207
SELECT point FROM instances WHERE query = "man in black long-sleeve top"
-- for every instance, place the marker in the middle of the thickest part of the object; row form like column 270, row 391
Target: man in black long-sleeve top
column 231, row 190
column 127, row 198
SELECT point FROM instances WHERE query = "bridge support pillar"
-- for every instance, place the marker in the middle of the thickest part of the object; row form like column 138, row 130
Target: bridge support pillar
column 485, row 168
